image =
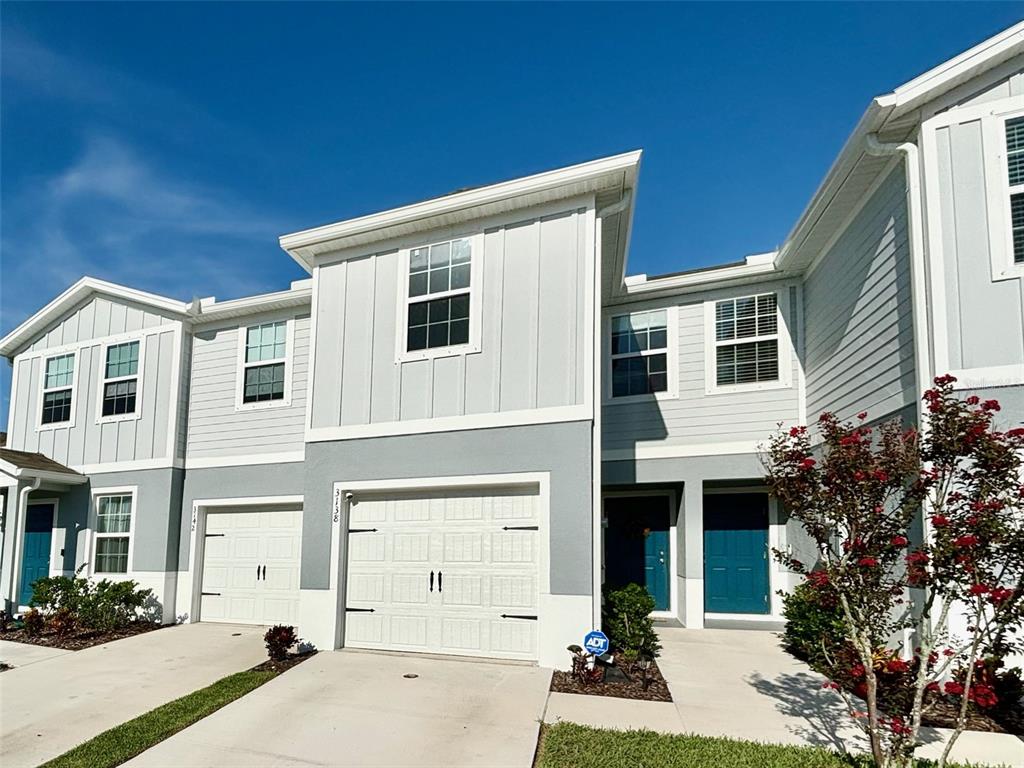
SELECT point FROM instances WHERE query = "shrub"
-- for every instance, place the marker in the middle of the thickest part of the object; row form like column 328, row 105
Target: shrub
column 63, row 622
column 628, row 620
column 34, row 623
column 814, row 624
column 53, row 593
column 111, row 605
column 279, row 640
column 104, row 606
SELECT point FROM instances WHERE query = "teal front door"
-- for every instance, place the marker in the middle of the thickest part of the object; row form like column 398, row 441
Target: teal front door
column 736, row 553
column 35, row 558
column 637, row 545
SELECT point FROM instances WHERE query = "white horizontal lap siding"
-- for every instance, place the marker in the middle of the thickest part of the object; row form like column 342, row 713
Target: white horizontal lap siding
column 529, row 285
column 857, row 313
column 984, row 317
column 86, row 440
column 696, row 418
column 216, row 427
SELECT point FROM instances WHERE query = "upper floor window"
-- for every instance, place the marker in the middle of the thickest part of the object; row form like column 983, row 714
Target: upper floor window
column 113, row 532
column 1015, row 177
column 640, row 353
column 121, row 379
column 264, row 362
column 58, row 386
column 438, row 311
column 746, row 340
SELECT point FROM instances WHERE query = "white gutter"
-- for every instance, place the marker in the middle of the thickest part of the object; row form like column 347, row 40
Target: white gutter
column 918, row 278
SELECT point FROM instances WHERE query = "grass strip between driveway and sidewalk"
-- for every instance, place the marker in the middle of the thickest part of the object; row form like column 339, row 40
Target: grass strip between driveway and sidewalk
column 567, row 745
column 125, row 741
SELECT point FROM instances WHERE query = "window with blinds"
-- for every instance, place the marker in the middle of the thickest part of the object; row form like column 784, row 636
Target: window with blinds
column 1015, row 177
column 746, row 340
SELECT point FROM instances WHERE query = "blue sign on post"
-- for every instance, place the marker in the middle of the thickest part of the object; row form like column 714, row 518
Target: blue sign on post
column 596, row 642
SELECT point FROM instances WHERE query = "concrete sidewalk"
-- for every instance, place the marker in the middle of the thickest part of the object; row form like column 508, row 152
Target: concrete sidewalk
column 55, row 703
column 23, row 654
column 346, row 708
column 741, row 684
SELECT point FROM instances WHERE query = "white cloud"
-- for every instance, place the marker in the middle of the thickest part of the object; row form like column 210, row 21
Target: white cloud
column 113, row 214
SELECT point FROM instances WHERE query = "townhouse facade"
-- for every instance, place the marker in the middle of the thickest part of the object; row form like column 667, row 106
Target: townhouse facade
column 468, row 420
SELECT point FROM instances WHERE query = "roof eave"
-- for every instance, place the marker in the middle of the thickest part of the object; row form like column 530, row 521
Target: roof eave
column 12, row 343
column 423, row 213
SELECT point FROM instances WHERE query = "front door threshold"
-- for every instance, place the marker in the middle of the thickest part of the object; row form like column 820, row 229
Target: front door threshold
column 759, row 621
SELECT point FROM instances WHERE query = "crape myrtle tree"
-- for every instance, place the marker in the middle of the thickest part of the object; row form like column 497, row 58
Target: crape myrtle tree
column 911, row 527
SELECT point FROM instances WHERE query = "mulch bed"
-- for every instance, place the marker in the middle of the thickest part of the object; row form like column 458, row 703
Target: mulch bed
column 657, row 688
column 280, row 666
column 83, row 638
column 943, row 713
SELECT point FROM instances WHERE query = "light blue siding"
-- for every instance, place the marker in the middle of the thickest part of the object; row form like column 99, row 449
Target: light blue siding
column 859, row 352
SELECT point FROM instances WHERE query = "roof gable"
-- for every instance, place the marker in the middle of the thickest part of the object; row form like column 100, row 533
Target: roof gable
column 78, row 298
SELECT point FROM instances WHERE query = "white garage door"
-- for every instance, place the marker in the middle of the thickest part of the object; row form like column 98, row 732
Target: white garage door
column 251, row 567
column 447, row 572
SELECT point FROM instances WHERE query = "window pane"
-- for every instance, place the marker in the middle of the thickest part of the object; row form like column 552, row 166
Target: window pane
column 747, row 363
column 1015, row 150
column 59, row 371
column 439, row 280
column 418, row 313
column 460, row 251
column 112, row 554
column 57, row 406
column 418, row 259
column 1017, row 217
column 440, row 255
column 437, row 335
column 418, row 284
column 460, row 276
column 417, row 338
column 639, row 375
column 460, row 307
column 122, row 360
column 437, row 311
column 265, row 342
column 438, row 323
column 459, row 333
column 113, row 514
column 119, row 397
column 263, row 382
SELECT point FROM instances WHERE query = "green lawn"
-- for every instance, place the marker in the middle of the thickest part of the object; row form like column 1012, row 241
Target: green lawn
column 127, row 740
column 567, row 745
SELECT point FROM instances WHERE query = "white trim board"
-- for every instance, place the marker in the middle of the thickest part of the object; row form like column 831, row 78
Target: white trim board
column 681, row 451
column 244, row 460
column 453, row 423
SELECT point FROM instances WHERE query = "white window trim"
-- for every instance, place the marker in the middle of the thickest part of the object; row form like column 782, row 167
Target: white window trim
column 402, row 355
column 43, row 390
column 671, row 359
column 782, row 334
column 103, row 381
column 999, row 217
column 96, row 494
column 289, row 342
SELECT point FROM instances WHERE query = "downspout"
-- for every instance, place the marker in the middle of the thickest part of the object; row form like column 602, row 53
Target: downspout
column 919, row 303
column 918, row 278
column 19, row 515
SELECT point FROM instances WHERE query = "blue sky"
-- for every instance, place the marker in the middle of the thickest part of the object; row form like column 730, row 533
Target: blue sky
column 166, row 146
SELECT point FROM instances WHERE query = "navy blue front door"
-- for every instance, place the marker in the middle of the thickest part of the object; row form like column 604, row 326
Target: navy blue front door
column 637, row 545
column 35, row 558
column 736, row 553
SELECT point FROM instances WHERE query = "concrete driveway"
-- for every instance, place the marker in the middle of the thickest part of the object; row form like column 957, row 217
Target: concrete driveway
column 57, row 701
column 350, row 708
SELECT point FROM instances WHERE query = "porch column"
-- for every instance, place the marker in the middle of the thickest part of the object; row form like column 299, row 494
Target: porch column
column 692, row 609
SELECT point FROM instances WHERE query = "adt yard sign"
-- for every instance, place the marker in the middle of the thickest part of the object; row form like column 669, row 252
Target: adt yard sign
column 596, row 643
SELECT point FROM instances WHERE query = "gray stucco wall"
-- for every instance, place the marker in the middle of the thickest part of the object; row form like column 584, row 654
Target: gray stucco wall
column 233, row 483
column 157, row 513
column 564, row 450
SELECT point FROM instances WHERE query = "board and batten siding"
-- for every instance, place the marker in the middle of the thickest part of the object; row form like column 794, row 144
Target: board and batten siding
column 216, row 428
column 532, row 330
column 95, row 318
column 984, row 316
column 85, row 441
column 859, row 351
column 696, row 419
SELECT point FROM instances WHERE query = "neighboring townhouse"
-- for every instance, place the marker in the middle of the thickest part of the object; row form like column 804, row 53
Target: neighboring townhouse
column 469, row 420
